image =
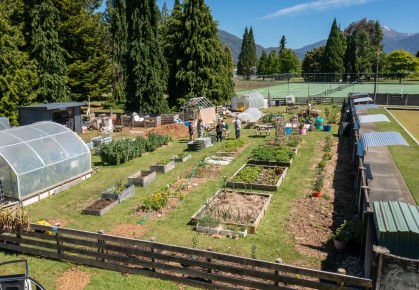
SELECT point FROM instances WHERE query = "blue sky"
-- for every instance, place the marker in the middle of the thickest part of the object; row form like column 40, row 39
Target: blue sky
column 305, row 22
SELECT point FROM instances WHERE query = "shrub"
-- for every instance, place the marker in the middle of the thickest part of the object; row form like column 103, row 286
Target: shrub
column 232, row 145
column 123, row 150
column 270, row 153
column 156, row 201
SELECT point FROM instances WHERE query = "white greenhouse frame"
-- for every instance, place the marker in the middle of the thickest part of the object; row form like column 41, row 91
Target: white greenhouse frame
column 40, row 156
column 251, row 100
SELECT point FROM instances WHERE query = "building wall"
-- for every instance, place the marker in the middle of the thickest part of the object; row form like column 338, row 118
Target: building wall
column 27, row 117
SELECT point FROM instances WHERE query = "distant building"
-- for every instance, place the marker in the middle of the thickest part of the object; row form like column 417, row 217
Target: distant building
column 68, row 114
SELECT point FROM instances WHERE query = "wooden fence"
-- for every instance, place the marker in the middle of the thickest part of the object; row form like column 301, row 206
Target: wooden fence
column 199, row 268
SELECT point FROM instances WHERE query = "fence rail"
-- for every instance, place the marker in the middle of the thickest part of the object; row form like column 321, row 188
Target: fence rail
column 200, row 268
column 317, row 100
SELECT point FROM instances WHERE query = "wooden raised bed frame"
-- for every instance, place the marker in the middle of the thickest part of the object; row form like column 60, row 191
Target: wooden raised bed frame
column 243, row 185
column 251, row 228
column 142, row 178
column 100, row 212
column 123, row 195
column 163, row 168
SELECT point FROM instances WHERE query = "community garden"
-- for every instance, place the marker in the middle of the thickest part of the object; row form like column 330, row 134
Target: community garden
column 265, row 203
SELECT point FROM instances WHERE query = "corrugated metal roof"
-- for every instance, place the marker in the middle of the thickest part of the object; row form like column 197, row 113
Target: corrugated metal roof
column 358, row 95
column 373, row 118
column 374, row 139
column 54, row 106
column 365, row 106
column 397, row 227
column 360, row 100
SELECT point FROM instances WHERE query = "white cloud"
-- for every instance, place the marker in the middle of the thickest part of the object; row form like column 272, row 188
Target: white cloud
column 319, row 5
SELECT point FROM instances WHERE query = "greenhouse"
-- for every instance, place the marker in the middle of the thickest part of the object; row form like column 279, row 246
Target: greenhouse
column 4, row 123
column 251, row 100
column 39, row 157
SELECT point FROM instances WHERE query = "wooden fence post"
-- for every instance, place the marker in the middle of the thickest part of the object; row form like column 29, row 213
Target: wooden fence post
column 101, row 232
column 342, row 272
column 153, row 260
column 278, row 261
column 209, row 260
column 58, row 237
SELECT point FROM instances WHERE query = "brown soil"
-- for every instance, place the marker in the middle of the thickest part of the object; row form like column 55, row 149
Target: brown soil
column 73, row 279
column 62, row 222
column 133, row 231
column 100, row 204
column 313, row 220
column 233, row 207
column 177, row 131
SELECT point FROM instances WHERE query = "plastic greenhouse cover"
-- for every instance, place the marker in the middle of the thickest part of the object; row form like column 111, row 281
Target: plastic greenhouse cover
column 250, row 115
column 43, row 154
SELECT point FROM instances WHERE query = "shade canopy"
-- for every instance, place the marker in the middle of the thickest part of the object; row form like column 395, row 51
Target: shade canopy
column 374, row 139
column 373, row 118
column 365, row 106
column 360, row 100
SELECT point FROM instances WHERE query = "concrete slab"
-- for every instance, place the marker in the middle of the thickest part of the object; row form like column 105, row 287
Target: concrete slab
column 387, row 183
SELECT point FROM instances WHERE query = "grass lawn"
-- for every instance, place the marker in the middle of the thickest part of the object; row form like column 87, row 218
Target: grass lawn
column 409, row 119
column 405, row 157
column 271, row 239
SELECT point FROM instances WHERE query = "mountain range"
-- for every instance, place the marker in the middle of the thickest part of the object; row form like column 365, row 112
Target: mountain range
column 392, row 40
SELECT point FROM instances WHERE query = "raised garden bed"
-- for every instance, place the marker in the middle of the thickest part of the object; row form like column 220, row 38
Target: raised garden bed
column 100, row 207
column 182, row 157
column 272, row 156
column 258, row 177
column 163, row 168
column 233, row 209
column 142, row 178
column 122, row 195
column 270, row 163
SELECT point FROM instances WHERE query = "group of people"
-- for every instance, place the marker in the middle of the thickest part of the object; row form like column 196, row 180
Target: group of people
column 220, row 128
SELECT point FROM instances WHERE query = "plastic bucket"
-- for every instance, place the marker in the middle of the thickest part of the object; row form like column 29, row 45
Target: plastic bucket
column 327, row 128
column 187, row 124
column 288, row 131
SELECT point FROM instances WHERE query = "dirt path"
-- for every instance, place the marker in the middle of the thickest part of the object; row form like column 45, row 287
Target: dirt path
column 313, row 220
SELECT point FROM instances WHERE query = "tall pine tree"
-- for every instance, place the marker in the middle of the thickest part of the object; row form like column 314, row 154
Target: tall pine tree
column 201, row 63
column 18, row 76
column 247, row 63
column 146, row 66
column 46, row 49
column 116, row 14
column 334, row 51
column 282, row 43
column 170, row 41
column 242, row 63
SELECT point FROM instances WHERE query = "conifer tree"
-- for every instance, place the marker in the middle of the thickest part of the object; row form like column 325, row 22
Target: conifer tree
column 18, row 76
column 116, row 13
column 46, row 49
column 332, row 64
column 170, row 42
column 146, row 67
column 312, row 63
column 282, row 43
column 242, row 63
column 253, row 58
column 201, row 68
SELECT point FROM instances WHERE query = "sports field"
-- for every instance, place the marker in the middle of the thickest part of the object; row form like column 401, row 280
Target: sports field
column 409, row 119
column 311, row 89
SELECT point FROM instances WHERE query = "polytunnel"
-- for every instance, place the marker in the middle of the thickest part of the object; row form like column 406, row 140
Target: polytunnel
column 39, row 156
column 251, row 100
column 4, row 123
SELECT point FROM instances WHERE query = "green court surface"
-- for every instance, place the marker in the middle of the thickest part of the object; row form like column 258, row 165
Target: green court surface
column 409, row 119
column 311, row 89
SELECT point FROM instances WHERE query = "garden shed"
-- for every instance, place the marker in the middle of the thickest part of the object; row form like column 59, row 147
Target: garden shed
column 251, row 100
column 41, row 159
column 68, row 114
column 397, row 227
column 4, row 123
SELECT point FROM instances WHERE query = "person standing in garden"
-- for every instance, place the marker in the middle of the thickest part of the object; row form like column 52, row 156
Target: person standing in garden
column 308, row 109
column 191, row 130
column 237, row 126
column 200, row 128
column 219, row 130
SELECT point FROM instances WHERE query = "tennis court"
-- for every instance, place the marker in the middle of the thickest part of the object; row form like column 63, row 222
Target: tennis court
column 331, row 90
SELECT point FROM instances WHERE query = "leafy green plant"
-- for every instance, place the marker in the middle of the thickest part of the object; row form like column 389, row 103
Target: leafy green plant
column 253, row 249
column 322, row 164
column 348, row 230
column 156, row 201
column 163, row 161
column 208, row 221
column 248, row 174
column 14, row 220
column 318, row 184
column 232, row 145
